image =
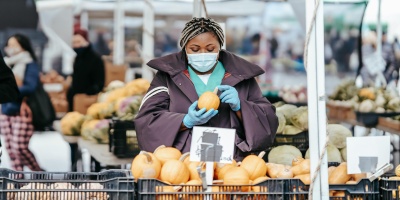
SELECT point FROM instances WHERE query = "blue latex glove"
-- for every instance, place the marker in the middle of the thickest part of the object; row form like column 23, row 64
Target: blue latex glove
column 195, row 117
column 229, row 95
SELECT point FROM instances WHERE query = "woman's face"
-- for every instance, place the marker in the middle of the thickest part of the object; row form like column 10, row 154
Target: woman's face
column 13, row 47
column 203, row 43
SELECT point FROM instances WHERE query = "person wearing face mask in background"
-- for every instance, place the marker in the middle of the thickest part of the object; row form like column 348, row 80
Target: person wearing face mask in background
column 16, row 118
column 168, row 118
column 89, row 73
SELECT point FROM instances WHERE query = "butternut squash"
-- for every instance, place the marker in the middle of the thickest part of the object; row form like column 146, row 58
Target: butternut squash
column 339, row 175
column 358, row 177
column 351, row 182
column 340, row 193
column 274, row 169
column 394, row 178
column 302, row 168
column 330, row 170
column 259, row 188
column 285, row 173
column 397, row 170
column 297, row 161
column 305, row 178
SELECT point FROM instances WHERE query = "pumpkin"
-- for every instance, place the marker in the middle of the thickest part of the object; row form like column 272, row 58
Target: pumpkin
column 339, row 194
column 302, row 168
column 145, row 165
column 297, row 161
column 174, row 172
column 394, row 178
column 160, row 190
column 259, row 188
column 186, row 159
column 209, row 100
column 254, row 165
column 163, row 153
column 305, row 178
column 237, row 176
column 192, row 186
column 339, row 175
column 194, row 174
column 397, row 170
column 285, row 173
column 221, row 168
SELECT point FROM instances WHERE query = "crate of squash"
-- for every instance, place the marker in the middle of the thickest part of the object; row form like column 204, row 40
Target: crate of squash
column 390, row 122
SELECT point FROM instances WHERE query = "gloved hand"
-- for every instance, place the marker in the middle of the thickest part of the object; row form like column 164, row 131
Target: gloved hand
column 229, row 95
column 195, row 117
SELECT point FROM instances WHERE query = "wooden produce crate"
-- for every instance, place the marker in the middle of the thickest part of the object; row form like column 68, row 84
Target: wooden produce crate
column 389, row 123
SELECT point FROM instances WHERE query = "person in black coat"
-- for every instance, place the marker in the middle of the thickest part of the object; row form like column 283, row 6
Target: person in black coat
column 8, row 86
column 89, row 73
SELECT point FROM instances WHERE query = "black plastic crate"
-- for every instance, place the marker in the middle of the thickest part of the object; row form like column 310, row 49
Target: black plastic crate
column 389, row 189
column 271, row 189
column 122, row 136
column 371, row 119
column 363, row 190
column 110, row 185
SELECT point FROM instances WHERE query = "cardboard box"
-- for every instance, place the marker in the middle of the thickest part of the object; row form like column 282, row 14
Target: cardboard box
column 83, row 101
column 114, row 72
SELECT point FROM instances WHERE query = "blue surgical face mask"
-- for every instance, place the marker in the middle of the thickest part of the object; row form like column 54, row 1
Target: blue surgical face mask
column 202, row 62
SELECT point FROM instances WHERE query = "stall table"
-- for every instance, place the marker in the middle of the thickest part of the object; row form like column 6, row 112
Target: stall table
column 100, row 155
column 73, row 144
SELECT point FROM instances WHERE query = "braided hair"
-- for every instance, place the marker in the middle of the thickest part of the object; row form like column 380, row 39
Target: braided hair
column 197, row 26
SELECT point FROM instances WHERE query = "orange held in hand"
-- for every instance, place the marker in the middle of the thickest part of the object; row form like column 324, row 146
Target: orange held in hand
column 209, row 100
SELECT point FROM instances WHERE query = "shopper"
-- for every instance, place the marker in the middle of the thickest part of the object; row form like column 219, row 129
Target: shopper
column 89, row 74
column 168, row 118
column 16, row 118
column 8, row 85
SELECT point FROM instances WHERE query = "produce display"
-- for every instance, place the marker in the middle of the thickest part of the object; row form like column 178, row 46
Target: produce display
column 292, row 119
column 26, row 193
column 119, row 100
column 294, row 94
column 180, row 176
column 59, row 98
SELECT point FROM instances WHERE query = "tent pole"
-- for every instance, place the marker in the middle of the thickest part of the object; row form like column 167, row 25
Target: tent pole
column 316, row 100
column 119, row 33
column 148, row 39
column 379, row 30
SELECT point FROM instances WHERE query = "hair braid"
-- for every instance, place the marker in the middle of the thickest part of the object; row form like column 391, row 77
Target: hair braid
column 197, row 26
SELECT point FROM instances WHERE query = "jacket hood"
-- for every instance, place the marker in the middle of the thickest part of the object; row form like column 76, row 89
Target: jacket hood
column 176, row 63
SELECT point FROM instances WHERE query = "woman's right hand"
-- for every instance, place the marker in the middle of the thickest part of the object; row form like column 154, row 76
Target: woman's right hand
column 195, row 117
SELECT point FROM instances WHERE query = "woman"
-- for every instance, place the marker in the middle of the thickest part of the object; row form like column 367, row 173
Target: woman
column 168, row 118
column 16, row 118
column 89, row 73
column 8, row 86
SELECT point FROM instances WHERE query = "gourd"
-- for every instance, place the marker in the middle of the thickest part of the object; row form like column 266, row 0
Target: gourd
column 174, row 172
column 285, row 173
column 397, row 170
column 297, row 161
column 221, row 168
column 305, row 178
column 145, row 165
column 259, row 188
column 274, row 169
column 339, row 175
column 237, row 176
column 254, row 165
column 351, row 182
column 163, row 153
column 302, row 168
column 284, row 154
column 358, row 177
column 330, row 170
column 209, row 100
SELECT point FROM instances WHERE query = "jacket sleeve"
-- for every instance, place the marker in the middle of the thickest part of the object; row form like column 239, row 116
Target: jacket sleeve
column 31, row 80
column 259, row 120
column 155, row 124
column 8, row 86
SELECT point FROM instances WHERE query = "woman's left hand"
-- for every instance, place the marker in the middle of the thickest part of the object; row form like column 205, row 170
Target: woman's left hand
column 230, row 95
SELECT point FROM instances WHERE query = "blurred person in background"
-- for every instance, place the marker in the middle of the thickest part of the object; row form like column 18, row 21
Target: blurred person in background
column 89, row 73
column 8, row 86
column 16, row 118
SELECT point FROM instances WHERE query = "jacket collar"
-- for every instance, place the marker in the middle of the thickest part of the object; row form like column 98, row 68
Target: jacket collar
column 176, row 63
